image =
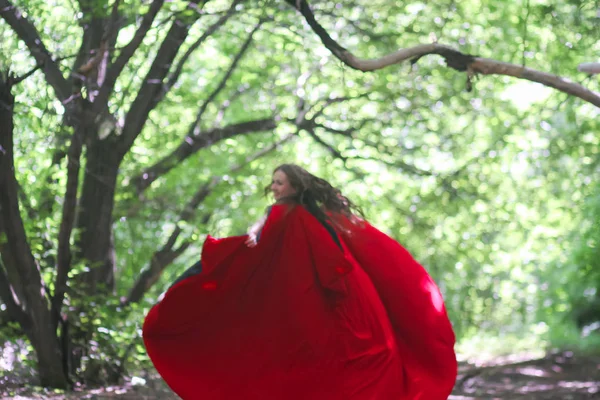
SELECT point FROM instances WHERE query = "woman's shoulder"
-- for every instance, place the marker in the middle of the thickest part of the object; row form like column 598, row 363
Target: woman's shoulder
column 284, row 209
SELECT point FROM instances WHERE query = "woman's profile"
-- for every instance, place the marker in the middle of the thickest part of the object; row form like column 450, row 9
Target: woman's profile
column 313, row 303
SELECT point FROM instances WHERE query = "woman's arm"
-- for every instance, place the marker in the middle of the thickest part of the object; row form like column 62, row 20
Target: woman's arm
column 255, row 230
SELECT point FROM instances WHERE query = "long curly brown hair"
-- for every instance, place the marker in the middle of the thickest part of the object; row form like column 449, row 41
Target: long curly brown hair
column 317, row 195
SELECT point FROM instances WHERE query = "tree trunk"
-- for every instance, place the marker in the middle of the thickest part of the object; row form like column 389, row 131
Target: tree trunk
column 18, row 259
column 94, row 246
column 94, row 220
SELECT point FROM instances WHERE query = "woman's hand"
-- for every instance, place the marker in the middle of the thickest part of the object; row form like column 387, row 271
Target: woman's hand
column 251, row 241
column 254, row 231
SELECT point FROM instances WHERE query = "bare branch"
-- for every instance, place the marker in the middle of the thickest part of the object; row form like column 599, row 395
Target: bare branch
column 411, row 169
column 195, row 129
column 192, row 144
column 29, row 34
column 21, row 78
column 454, row 59
column 263, row 152
column 174, row 77
column 327, row 146
column 231, row 98
column 349, row 132
column 160, row 260
column 336, row 100
column 26, row 75
column 354, row 24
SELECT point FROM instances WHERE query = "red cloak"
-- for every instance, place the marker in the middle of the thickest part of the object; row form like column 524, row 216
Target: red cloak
column 303, row 317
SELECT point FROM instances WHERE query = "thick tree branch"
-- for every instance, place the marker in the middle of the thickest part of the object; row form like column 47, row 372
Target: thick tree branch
column 454, row 59
column 113, row 28
column 193, row 143
column 89, row 67
column 591, row 68
column 63, row 259
column 21, row 262
column 126, row 53
column 98, row 39
column 152, row 84
column 487, row 66
column 10, row 215
column 29, row 34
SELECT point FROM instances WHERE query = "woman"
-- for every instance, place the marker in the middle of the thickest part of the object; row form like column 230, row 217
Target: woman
column 313, row 304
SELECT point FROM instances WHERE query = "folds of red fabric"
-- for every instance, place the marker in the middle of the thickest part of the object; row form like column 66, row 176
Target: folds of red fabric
column 415, row 307
column 296, row 317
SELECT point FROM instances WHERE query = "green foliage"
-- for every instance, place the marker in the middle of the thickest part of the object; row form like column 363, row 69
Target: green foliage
column 492, row 190
column 116, row 345
column 584, row 287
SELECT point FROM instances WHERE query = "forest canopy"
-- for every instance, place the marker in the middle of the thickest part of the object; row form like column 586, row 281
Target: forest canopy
column 130, row 129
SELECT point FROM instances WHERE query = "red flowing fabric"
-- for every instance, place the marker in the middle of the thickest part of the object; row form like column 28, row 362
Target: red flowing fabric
column 298, row 318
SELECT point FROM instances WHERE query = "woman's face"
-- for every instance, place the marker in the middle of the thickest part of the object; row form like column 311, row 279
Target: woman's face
column 281, row 186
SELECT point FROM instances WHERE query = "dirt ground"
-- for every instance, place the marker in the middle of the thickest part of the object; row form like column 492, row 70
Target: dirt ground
column 563, row 376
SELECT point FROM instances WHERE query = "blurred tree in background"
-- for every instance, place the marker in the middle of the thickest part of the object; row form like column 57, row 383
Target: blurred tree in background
column 129, row 129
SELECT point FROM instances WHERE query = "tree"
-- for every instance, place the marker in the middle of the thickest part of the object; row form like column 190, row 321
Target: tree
column 472, row 65
column 31, row 309
column 125, row 123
